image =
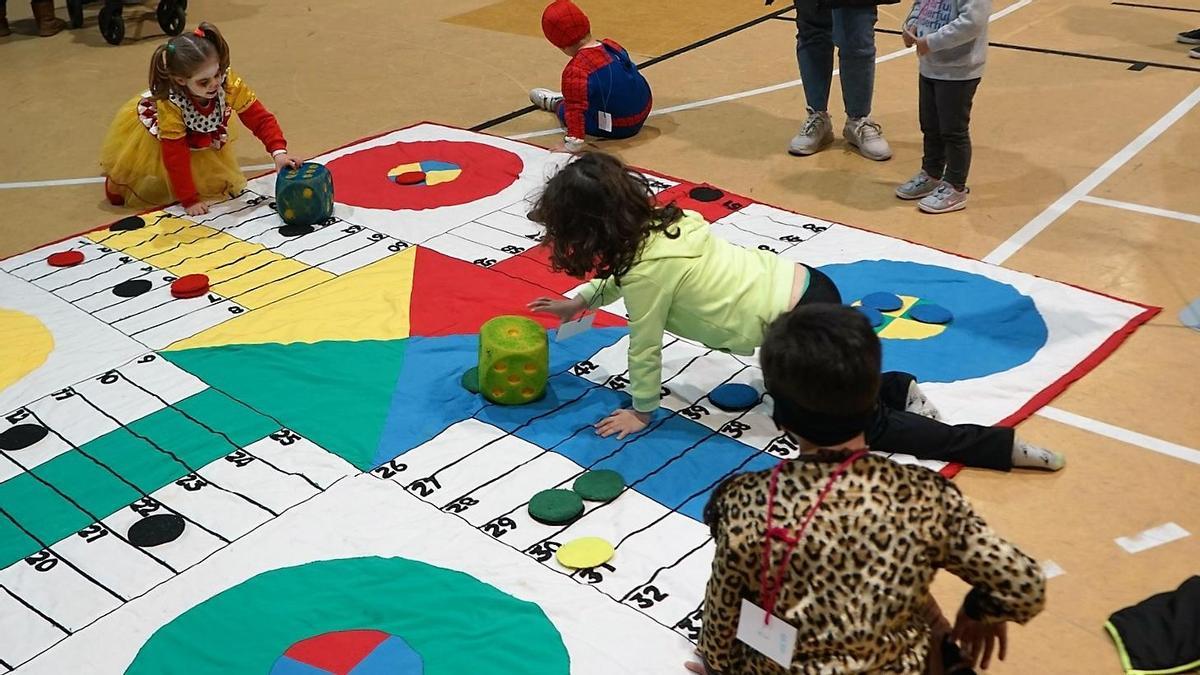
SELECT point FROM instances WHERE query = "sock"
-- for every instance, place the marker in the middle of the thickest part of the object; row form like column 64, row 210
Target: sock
column 917, row 402
column 1028, row 456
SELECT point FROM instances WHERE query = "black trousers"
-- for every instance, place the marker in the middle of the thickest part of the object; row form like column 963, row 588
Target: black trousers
column 945, row 123
column 893, row 429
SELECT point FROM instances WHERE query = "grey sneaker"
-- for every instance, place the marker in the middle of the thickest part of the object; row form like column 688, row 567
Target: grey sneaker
column 815, row 135
column 1194, row 52
column 545, row 99
column 918, row 186
column 944, row 200
column 866, row 135
column 1191, row 37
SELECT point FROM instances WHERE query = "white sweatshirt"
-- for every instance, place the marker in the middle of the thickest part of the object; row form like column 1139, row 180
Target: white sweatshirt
column 956, row 31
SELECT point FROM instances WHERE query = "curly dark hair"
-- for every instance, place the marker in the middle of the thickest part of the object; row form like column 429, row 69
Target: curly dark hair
column 598, row 213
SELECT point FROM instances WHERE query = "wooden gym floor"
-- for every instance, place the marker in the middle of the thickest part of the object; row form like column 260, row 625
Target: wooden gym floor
column 1086, row 133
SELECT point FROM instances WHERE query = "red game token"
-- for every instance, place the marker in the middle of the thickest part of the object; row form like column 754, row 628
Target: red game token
column 65, row 258
column 190, row 286
column 411, row 178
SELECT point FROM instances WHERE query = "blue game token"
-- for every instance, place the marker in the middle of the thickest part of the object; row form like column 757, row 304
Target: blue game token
column 884, row 302
column 735, row 397
column 930, row 313
column 873, row 315
column 1190, row 315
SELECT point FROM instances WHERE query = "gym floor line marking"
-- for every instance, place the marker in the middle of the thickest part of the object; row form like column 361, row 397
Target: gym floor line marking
column 1155, row 536
column 763, row 90
column 1170, row 9
column 1134, row 64
column 1142, row 208
column 1121, row 434
column 1102, row 173
column 63, row 182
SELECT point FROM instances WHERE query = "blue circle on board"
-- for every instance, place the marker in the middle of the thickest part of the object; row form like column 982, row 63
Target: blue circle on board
column 884, row 302
column 996, row 328
column 873, row 315
column 735, row 397
column 930, row 313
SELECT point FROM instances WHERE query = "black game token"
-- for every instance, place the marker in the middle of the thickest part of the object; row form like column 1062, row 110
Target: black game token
column 705, row 194
column 22, row 436
column 131, row 288
column 127, row 224
column 295, row 230
column 161, row 528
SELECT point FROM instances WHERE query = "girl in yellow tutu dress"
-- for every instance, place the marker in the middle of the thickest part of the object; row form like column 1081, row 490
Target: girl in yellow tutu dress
column 174, row 142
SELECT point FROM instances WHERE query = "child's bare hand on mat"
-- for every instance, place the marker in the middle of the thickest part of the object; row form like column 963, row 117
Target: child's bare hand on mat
column 622, row 423
column 978, row 639
column 285, row 160
column 563, row 309
column 197, row 209
column 696, row 667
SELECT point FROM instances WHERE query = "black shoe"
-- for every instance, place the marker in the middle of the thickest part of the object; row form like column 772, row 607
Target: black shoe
column 1191, row 37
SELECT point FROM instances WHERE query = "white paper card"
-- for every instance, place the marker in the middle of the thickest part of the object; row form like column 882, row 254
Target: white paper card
column 1155, row 536
column 605, row 121
column 775, row 640
column 570, row 329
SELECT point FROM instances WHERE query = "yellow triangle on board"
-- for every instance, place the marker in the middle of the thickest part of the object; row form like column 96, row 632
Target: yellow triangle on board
column 370, row 303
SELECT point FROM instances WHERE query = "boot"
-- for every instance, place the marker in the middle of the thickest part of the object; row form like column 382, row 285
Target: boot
column 43, row 14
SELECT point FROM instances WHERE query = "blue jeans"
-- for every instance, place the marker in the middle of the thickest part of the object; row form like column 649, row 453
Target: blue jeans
column 852, row 30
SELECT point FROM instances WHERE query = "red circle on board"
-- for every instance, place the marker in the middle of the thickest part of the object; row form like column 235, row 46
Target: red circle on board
column 190, row 286
column 65, row 258
column 362, row 177
column 411, row 178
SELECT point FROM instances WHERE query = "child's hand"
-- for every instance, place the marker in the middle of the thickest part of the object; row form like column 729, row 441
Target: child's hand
column 909, row 38
column 286, row 160
column 978, row 640
column 197, row 209
column 622, row 423
column 563, row 309
column 922, row 46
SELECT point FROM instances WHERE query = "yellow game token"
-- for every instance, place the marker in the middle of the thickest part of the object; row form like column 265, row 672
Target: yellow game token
column 585, row 552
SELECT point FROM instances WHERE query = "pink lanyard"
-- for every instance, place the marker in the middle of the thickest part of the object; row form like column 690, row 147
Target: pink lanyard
column 770, row 587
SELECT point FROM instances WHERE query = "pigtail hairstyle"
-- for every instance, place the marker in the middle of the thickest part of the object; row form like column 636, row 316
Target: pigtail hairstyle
column 598, row 214
column 183, row 55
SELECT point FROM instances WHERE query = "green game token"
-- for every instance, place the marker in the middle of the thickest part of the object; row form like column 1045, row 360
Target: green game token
column 470, row 380
column 555, row 507
column 599, row 486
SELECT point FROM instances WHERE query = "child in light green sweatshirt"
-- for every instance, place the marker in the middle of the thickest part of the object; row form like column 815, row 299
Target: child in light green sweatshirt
column 673, row 274
column 602, row 221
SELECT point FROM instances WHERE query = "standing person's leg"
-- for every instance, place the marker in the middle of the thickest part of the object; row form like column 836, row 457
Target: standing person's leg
column 854, row 35
column 814, row 54
column 933, row 161
column 954, row 100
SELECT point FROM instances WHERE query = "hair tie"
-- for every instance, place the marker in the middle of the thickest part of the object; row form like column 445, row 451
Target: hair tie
column 199, row 32
column 170, row 48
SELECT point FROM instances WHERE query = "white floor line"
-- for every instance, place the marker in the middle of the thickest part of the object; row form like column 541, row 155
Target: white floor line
column 1043, row 220
column 1124, row 435
column 761, row 90
column 1142, row 208
column 19, row 185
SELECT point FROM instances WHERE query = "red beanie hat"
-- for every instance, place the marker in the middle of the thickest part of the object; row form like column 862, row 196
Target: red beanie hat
column 565, row 24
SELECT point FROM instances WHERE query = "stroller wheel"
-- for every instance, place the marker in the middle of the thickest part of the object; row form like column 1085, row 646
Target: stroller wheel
column 172, row 16
column 112, row 25
column 75, row 13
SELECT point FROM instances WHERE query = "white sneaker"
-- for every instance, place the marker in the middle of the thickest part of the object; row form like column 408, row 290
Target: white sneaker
column 917, row 402
column 815, row 135
column 545, row 99
column 866, row 135
column 944, row 200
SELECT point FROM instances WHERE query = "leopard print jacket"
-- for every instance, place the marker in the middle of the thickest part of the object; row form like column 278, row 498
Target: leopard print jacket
column 858, row 583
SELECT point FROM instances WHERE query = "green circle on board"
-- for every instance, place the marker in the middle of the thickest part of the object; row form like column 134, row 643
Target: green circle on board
column 455, row 622
column 470, row 380
column 599, row 486
column 555, row 507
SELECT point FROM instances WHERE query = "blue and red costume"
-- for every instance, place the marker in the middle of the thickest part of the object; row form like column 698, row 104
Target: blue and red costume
column 602, row 79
